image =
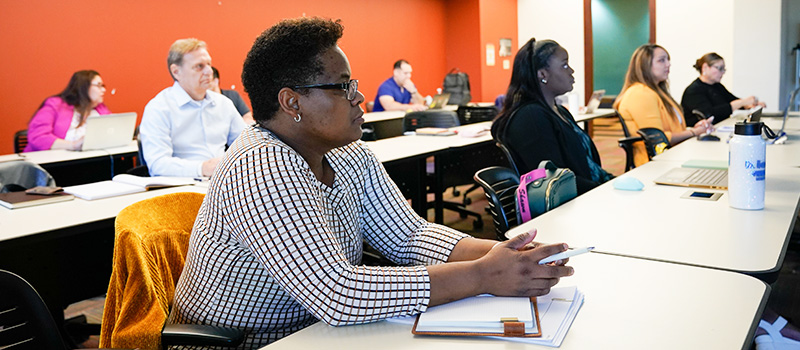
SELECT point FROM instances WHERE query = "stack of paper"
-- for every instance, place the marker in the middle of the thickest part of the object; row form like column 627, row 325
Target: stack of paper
column 479, row 315
column 557, row 310
column 125, row 184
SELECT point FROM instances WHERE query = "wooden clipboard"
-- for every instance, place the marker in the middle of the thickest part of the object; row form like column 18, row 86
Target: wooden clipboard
column 511, row 328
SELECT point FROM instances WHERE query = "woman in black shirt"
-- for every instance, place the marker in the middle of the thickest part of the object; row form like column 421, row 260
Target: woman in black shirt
column 708, row 96
column 534, row 128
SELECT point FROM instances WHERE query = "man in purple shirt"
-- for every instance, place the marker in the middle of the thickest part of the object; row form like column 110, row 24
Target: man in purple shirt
column 398, row 93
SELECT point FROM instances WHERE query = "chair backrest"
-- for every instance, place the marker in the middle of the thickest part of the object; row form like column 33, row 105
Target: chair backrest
column 432, row 118
column 20, row 140
column 510, row 158
column 25, row 321
column 625, row 130
column 655, row 141
column 150, row 246
column 22, row 175
column 500, row 186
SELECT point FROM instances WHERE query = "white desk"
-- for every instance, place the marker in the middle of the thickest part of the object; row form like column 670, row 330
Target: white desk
column 598, row 113
column 75, row 168
column 630, row 304
column 373, row 117
column 60, row 155
column 18, row 223
column 657, row 224
column 404, row 158
column 787, row 154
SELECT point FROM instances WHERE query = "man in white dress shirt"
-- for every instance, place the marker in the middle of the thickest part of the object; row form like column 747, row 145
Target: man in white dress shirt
column 185, row 128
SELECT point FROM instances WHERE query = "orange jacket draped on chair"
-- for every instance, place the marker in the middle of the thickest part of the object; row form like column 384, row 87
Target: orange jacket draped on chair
column 152, row 238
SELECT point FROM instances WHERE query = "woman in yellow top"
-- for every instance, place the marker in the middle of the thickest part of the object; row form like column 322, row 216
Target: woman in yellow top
column 645, row 101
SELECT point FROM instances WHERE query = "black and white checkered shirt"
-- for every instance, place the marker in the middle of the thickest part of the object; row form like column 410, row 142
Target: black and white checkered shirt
column 274, row 249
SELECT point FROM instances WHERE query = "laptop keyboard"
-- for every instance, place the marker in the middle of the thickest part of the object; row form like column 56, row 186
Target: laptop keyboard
column 708, row 177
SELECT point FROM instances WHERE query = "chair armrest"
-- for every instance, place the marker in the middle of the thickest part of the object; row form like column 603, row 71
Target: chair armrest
column 626, row 143
column 201, row 335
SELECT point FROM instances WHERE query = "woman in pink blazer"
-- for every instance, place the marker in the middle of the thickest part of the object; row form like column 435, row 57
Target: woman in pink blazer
column 60, row 121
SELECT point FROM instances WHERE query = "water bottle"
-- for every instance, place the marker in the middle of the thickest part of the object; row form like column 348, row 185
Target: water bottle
column 747, row 163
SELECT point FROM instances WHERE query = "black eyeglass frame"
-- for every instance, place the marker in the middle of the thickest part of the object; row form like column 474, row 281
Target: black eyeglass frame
column 349, row 94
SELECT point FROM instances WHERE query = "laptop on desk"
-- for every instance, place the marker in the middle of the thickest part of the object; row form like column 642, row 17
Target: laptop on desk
column 695, row 177
column 107, row 131
column 594, row 101
column 439, row 101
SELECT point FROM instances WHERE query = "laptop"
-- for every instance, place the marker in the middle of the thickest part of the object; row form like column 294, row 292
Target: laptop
column 439, row 101
column 594, row 101
column 107, row 131
column 695, row 177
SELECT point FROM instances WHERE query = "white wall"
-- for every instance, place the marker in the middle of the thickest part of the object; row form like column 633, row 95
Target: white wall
column 746, row 33
column 561, row 21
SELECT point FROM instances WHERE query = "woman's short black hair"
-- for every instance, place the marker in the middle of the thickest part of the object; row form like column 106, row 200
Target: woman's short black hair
column 286, row 55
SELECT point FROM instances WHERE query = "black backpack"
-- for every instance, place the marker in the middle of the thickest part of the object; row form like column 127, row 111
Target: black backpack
column 456, row 83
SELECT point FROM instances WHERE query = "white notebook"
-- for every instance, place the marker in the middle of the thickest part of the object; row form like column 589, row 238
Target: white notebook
column 125, row 184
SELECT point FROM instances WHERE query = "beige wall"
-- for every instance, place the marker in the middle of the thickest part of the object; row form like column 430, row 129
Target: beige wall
column 747, row 33
column 561, row 21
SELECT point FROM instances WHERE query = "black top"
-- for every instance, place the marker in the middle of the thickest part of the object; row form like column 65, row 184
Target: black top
column 535, row 133
column 710, row 99
column 238, row 102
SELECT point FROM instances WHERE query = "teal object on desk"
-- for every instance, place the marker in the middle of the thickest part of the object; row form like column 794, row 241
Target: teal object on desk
column 628, row 183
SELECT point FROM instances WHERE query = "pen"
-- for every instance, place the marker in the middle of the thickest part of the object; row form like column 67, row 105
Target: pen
column 565, row 254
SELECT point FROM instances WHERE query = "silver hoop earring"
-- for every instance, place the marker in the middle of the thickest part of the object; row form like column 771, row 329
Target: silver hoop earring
column 544, row 81
column 298, row 118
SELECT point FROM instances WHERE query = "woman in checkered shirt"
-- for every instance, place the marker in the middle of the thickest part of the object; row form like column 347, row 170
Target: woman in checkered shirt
column 277, row 244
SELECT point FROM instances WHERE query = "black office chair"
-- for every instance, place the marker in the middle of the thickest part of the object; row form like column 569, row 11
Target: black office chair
column 20, row 140
column 500, row 186
column 432, row 118
column 626, row 143
column 141, row 168
column 655, row 141
column 511, row 162
column 25, row 321
column 439, row 118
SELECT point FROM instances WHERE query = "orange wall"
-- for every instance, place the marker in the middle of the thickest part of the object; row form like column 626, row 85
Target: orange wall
column 463, row 42
column 498, row 20
column 44, row 41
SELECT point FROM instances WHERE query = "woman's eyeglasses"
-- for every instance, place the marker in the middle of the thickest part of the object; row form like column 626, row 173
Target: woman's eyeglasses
column 350, row 88
column 99, row 85
column 720, row 68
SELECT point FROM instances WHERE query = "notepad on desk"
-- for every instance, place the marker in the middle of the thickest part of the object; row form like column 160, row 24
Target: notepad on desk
column 481, row 315
column 435, row 131
column 553, row 314
column 125, row 184
column 16, row 200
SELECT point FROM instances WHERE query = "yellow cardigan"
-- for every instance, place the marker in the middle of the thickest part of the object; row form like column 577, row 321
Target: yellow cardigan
column 640, row 107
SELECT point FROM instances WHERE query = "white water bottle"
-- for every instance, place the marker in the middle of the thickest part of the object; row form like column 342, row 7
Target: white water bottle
column 747, row 165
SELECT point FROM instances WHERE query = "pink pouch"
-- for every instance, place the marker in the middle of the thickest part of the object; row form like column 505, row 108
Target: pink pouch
column 522, row 192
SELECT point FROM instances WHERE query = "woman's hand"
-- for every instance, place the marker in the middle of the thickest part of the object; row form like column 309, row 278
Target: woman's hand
column 512, row 268
column 702, row 127
column 74, row 145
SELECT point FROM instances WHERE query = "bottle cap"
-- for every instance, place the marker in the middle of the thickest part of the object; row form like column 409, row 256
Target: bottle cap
column 748, row 129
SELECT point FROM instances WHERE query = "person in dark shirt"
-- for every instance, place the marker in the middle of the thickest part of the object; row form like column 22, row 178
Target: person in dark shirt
column 534, row 128
column 234, row 96
column 707, row 95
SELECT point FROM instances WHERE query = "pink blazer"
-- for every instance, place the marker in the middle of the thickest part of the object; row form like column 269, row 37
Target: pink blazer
column 52, row 122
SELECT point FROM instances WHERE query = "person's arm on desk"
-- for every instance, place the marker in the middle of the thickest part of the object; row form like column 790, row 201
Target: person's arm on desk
column 389, row 104
column 509, row 269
